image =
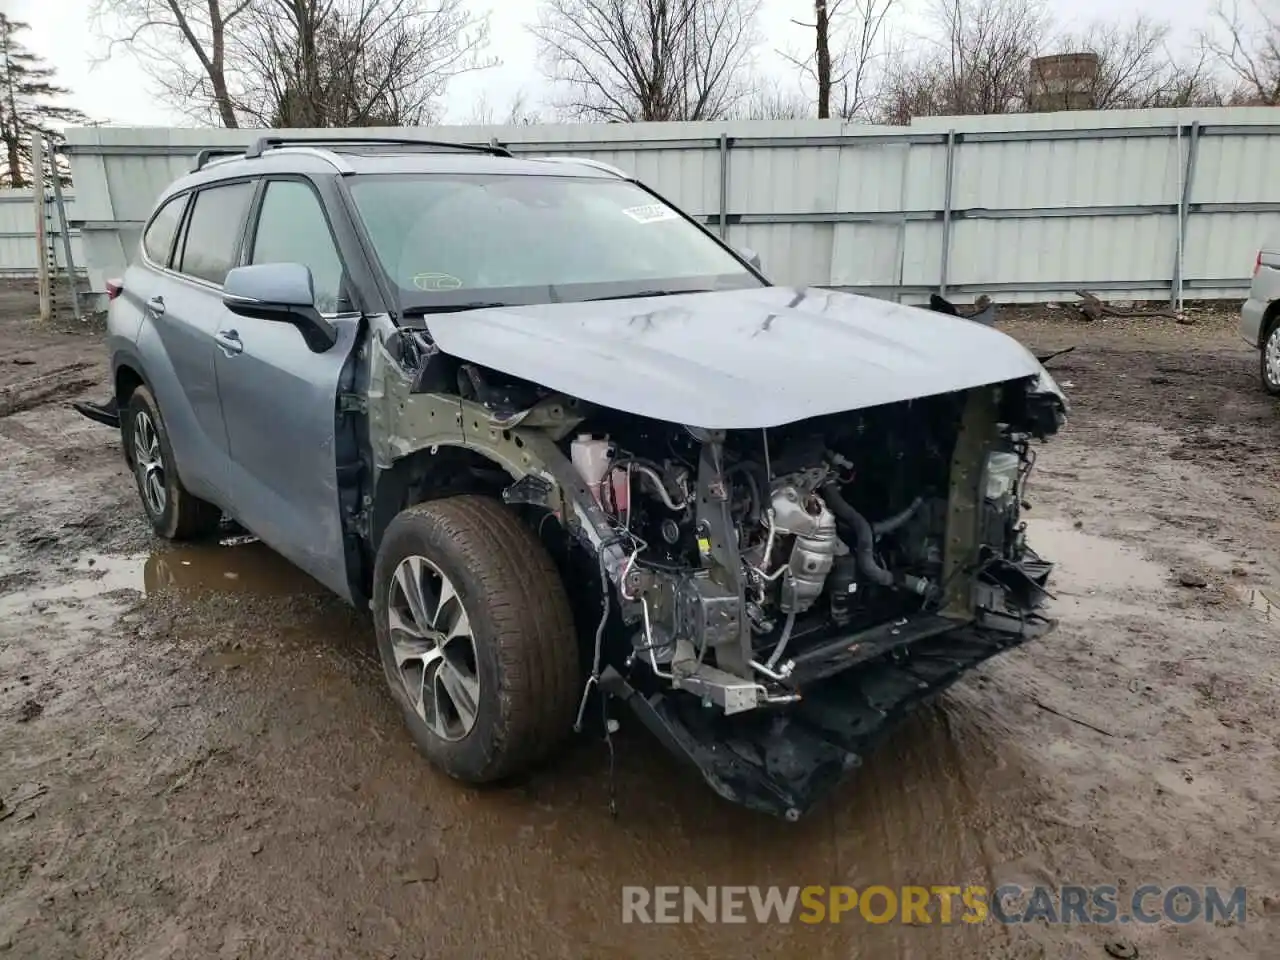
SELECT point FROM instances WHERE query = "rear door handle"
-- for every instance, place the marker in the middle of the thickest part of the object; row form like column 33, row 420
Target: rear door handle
column 156, row 305
column 229, row 341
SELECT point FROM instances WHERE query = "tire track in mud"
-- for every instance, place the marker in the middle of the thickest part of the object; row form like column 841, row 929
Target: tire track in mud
column 916, row 820
column 56, row 384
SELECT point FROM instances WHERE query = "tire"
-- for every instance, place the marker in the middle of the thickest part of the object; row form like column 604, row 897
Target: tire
column 521, row 677
column 1270, row 345
column 174, row 513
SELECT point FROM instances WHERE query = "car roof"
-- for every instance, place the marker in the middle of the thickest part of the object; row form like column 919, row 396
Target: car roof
column 372, row 159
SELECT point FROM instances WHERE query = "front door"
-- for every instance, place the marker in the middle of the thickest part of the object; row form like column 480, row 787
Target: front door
column 279, row 399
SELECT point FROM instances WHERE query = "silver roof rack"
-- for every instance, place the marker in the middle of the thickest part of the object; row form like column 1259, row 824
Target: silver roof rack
column 587, row 162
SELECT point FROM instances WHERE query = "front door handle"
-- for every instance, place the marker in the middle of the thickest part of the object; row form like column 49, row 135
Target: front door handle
column 229, row 341
column 156, row 305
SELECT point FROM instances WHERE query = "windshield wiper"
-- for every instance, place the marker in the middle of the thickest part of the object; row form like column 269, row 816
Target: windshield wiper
column 423, row 310
column 645, row 293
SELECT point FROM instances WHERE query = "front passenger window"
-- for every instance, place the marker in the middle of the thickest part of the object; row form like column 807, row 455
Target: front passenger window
column 292, row 229
column 214, row 229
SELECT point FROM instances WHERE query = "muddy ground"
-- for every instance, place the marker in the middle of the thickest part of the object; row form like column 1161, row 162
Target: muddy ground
column 198, row 757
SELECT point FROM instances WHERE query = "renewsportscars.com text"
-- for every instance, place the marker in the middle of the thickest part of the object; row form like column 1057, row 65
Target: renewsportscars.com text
column 941, row 904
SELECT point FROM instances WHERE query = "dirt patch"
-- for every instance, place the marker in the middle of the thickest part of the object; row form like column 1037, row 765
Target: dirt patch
column 200, row 758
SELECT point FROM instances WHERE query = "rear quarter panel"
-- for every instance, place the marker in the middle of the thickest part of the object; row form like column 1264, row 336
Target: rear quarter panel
column 1264, row 291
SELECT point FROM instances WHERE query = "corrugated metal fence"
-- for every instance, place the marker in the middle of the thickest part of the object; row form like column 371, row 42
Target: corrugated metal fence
column 18, row 254
column 1129, row 205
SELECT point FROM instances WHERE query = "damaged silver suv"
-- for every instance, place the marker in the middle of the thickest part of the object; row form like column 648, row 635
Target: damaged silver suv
column 573, row 450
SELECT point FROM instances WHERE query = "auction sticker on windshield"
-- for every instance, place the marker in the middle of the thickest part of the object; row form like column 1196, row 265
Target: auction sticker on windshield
column 434, row 282
column 650, row 213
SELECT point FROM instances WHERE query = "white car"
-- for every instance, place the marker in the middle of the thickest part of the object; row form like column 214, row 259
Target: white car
column 1260, row 315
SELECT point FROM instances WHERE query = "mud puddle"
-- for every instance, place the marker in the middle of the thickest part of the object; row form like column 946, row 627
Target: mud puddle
column 233, row 566
column 93, row 586
column 1091, row 563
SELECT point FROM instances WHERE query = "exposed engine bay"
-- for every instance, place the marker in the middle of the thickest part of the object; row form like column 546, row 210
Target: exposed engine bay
column 825, row 529
column 771, row 599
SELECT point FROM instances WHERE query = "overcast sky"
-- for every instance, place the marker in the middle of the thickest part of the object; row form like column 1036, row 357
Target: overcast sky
column 118, row 92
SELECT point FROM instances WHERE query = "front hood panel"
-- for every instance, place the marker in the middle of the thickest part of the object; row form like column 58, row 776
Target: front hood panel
column 736, row 359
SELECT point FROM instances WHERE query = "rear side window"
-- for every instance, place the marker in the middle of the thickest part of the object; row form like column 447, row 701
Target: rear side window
column 158, row 240
column 213, row 231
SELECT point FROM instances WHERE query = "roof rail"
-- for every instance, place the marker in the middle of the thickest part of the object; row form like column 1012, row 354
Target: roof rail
column 263, row 144
column 588, row 162
column 207, row 154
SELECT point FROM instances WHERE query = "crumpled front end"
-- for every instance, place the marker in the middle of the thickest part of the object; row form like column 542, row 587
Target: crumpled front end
column 772, row 599
column 839, row 571
column 782, row 762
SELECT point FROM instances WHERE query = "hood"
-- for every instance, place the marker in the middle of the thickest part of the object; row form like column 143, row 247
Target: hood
column 737, row 359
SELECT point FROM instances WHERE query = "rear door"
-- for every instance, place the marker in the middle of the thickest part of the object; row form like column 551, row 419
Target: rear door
column 183, row 305
column 279, row 399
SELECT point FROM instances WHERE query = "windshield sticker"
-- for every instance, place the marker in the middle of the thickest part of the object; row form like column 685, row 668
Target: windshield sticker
column 433, row 282
column 650, row 213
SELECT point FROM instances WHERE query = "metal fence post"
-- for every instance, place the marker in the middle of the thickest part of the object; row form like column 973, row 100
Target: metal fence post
column 724, row 185
column 64, row 227
column 42, row 241
column 904, row 186
column 1184, row 211
column 946, row 214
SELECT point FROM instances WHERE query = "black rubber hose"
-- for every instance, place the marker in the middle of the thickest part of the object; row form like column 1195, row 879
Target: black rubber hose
column 748, row 469
column 890, row 524
column 863, row 538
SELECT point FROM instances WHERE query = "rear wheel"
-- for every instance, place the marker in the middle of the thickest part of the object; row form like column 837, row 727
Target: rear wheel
column 1270, row 357
column 174, row 513
column 476, row 637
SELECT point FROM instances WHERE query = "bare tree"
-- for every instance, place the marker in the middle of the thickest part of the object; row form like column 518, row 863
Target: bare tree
column 976, row 62
column 1193, row 82
column 767, row 102
column 1245, row 40
column 628, row 60
column 352, row 63
column 849, row 37
column 1132, row 63
column 299, row 62
column 990, row 45
column 518, row 113
column 182, row 44
column 1136, row 68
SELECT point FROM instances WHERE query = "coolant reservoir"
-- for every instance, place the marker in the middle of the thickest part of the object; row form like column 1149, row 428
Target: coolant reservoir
column 1002, row 474
column 591, row 458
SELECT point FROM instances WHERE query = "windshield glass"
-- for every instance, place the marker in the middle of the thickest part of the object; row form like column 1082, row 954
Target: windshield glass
column 452, row 240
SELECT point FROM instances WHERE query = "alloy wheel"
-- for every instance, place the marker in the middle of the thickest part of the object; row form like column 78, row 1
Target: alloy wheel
column 1273, row 357
column 148, row 463
column 434, row 648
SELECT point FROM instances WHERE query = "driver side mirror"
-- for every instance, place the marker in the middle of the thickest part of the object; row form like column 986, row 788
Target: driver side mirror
column 283, row 292
column 750, row 256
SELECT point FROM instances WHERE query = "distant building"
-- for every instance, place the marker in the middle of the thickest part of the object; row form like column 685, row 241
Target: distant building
column 1065, row 81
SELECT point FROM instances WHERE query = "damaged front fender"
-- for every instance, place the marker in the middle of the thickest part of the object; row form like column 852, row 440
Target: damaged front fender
column 403, row 423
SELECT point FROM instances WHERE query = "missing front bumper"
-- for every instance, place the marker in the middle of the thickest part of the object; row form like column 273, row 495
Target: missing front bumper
column 781, row 763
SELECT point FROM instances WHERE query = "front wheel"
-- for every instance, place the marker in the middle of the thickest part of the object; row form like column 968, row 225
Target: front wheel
column 476, row 637
column 1270, row 359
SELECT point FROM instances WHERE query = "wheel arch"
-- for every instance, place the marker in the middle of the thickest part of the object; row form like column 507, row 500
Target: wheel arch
column 431, row 473
column 1270, row 317
column 125, row 379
